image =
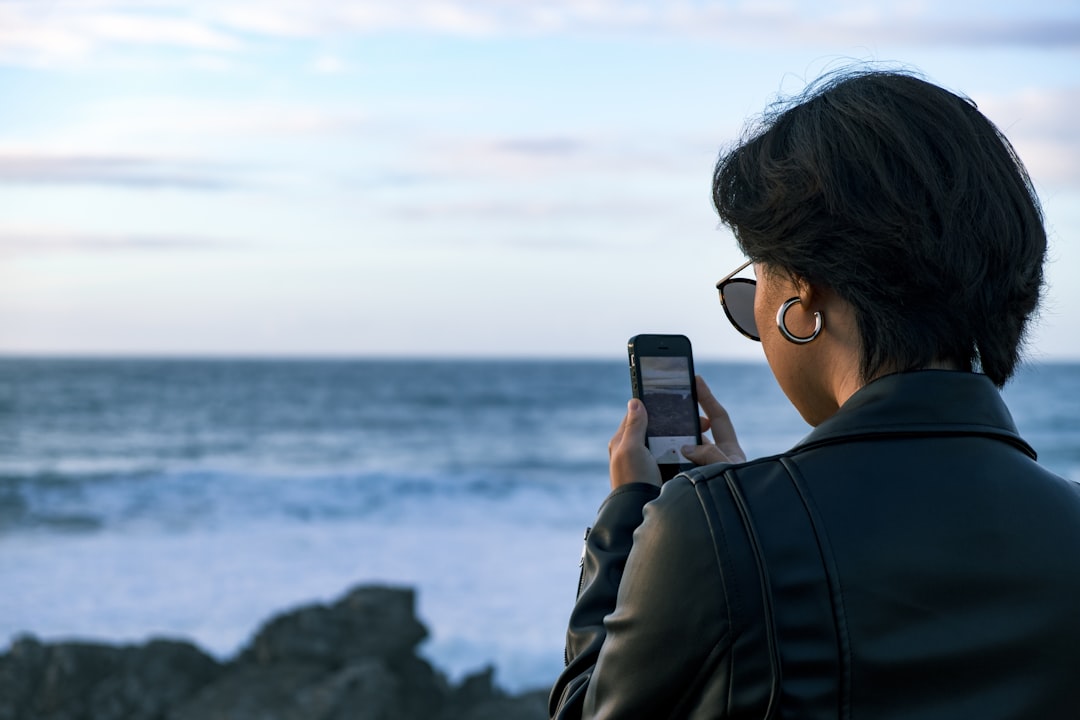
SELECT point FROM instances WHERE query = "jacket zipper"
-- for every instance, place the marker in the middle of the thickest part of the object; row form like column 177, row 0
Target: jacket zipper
column 580, row 584
column 581, row 562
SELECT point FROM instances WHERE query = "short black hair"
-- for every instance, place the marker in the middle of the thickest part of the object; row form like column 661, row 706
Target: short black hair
column 905, row 200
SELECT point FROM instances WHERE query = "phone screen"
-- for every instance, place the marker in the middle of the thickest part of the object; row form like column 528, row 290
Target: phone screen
column 666, row 390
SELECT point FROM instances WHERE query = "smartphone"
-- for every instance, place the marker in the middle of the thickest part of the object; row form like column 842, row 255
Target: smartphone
column 662, row 377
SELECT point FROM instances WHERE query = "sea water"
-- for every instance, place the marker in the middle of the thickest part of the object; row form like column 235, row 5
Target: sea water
column 196, row 498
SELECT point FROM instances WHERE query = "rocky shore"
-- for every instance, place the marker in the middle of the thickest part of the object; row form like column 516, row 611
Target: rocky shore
column 353, row 659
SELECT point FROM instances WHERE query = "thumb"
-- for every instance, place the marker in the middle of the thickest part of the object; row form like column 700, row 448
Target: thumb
column 637, row 421
column 631, row 461
column 705, row 454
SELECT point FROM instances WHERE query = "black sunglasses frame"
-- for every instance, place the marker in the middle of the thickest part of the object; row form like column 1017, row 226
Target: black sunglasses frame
column 730, row 279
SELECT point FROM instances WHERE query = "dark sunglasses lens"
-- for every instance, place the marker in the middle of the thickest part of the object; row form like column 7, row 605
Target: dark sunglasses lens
column 738, row 299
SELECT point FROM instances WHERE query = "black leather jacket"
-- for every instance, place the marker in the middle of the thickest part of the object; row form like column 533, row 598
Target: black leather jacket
column 908, row 559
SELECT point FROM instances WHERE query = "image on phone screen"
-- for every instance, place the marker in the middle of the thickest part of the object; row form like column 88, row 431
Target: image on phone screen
column 669, row 400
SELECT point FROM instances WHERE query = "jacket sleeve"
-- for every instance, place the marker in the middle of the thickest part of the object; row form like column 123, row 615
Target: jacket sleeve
column 650, row 623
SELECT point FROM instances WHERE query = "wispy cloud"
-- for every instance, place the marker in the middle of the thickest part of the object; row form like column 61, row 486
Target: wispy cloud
column 525, row 210
column 57, row 31
column 125, row 171
column 1041, row 125
column 535, row 158
column 34, row 241
column 153, row 116
column 541, row 146
column 772, row 23
column 41, row 32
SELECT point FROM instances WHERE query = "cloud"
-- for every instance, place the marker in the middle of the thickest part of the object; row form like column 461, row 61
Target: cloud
column 328, row 65
column 45, row 32
column 1040, row 123
column 59, row 31
column 535, row 158
column 153, row 116
column 115, row 170
column 309, row 18
column 541, row 146
column 25, row 241
column 525, row 210
column 769, row 23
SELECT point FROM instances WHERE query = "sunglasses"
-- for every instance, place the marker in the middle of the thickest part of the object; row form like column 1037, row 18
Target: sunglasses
column 737, row 297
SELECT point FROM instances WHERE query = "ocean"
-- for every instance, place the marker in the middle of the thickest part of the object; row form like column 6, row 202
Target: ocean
column 196, row 498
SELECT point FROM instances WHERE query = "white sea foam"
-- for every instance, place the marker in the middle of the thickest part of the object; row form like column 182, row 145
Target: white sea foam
column 495, row 592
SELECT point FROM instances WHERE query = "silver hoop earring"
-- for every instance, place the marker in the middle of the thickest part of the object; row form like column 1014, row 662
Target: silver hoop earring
column 819, row 322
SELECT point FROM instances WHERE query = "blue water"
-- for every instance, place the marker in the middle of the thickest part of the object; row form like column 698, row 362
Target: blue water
column 195, row 498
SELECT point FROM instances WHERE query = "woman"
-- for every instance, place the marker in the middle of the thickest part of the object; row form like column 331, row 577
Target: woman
column 909, row 558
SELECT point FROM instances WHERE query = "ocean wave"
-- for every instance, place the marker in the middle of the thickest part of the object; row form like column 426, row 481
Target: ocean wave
column 185, row 500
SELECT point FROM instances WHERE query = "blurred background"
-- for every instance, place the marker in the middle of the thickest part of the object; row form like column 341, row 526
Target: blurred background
column 296, row 294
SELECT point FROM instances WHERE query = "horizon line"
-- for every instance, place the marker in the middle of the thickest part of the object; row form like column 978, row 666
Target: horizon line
column 212, row 356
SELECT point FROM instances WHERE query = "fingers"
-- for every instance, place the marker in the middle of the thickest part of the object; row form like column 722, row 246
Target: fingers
column 723, row 431
column 716, row 413
column 725, row 446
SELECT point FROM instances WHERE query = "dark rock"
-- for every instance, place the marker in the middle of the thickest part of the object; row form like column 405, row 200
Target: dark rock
column 151, row 678
column 368, row 622
column 369, row 688
column 528, row 706
column 477, row 698
column 353, row 659
column 70, row 681
column 251, row 691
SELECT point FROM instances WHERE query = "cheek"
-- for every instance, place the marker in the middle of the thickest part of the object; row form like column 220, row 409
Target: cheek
column 764, row 314
column 782, row 356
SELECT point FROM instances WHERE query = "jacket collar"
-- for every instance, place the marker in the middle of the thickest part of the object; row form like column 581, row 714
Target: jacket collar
column 924, row 402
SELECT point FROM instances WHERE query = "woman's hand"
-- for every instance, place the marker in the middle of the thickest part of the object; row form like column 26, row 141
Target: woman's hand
column 631, row 461
column 724, row 446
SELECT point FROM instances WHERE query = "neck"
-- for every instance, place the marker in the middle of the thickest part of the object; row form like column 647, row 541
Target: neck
column 848, row 388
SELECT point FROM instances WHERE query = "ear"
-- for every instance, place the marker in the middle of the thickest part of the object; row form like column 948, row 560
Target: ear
column 813, row 297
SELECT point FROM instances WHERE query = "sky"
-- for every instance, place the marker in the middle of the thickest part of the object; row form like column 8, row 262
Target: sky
column 446, row 177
